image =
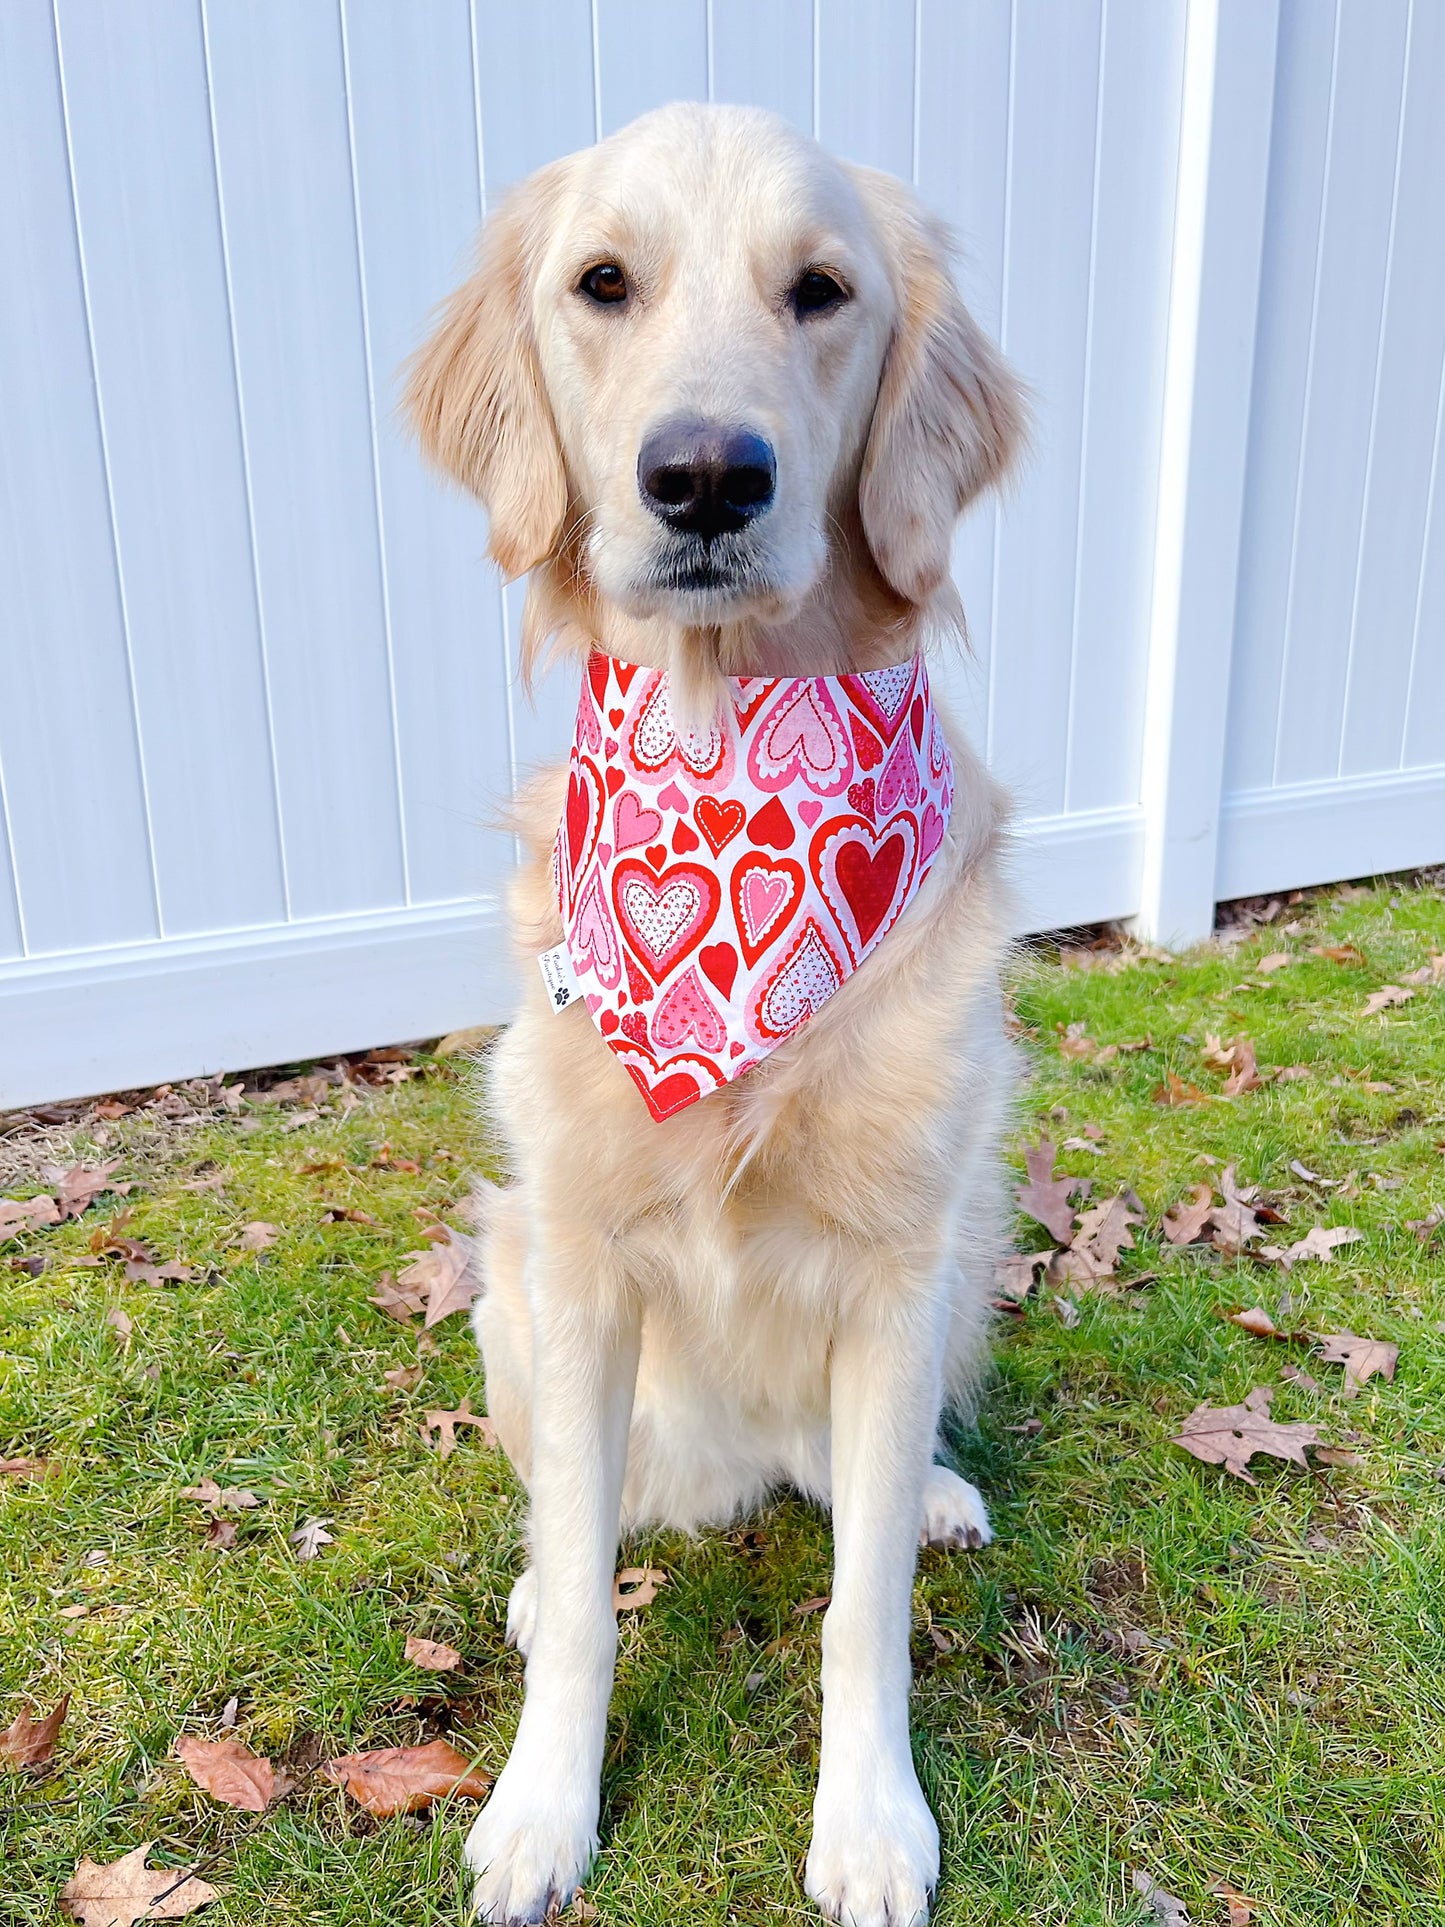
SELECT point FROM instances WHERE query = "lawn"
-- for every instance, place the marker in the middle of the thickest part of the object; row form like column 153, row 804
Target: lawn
column 1157, row 1667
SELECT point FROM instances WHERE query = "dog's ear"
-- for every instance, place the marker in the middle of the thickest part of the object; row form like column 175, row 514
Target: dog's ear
column 475, row 396
column 950, row 415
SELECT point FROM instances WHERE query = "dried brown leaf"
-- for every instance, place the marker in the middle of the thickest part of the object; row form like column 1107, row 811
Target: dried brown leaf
column 230, row 1772
column 258, row 1235
column 1383, row 998
column 1174, row 1092
column 1014, row 1277
column 1340, row 953
column 1045, row 1198
column 1276, row 960
column 1230, row 1435
column 309, row 1537
column 636, row 1587
column 444, row 1273
column 27, row 1214
column 1362, row 1358
column 78, row 1188
column 29, row 1741
column 406, row 1779
column 128, row 1890
column 230, row 1498
column 404, row 1378
column 25, row 1468
column 1185, row 1221
column 1319, row 1242
column 1167, row 1909
column 121, row 1325
column 431, row 1655
column 398, row 1304
column 445, row 1424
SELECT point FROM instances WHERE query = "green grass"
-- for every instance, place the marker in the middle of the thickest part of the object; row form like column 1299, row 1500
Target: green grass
column 1155, row 1667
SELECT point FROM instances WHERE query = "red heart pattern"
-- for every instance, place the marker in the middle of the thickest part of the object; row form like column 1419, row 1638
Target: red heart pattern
column 834, row 854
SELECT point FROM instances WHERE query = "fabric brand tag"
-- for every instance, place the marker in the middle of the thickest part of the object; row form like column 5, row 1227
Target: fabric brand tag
column 559, row 977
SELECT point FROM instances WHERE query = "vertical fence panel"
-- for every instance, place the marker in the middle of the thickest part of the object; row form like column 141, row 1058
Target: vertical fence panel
column 418, row 200
column 1140, row 76
column 1403, row 439
column 1045, row 332
column 1285, row 330
column 648, row 53
column 283, row 155
column 1341, row 374
column 74, row 788
column 761, row 55
column 145, row 193
column 865, row 82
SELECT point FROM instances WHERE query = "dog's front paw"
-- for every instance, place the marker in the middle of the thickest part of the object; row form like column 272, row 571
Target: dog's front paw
column 954, row 1513
column 530, row 1848
column 873, row 1861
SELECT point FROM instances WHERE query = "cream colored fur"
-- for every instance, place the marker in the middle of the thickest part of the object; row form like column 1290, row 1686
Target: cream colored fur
column 786, row 1281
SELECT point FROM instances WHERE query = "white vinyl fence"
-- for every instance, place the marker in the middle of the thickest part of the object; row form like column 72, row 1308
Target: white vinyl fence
column 256, row 685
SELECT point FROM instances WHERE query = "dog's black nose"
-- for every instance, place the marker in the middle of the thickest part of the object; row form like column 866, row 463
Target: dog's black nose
column 704, row 478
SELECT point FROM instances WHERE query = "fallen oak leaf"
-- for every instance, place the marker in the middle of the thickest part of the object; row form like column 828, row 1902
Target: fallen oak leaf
column 407, row 1779
column 1340, row 953
column 1175, row 1092
column 404, row 1378
column 431, row 1655
column 220, row 1535
column 25, row 1468
column 121, row 1325
column 1238, row 1058
column 230, row 1772
column 1045, row 1197
column 128, row 1890
column 1103, row 1230
column 1362, row 1358
column 310, row 1536
column 1258, row 1323
column 258, row 1235
column 636, row 1587
column 1185, row 1221
column 1428, row 973
column 1383, row 998
column 78, row 1188
column 1230, row 1435
column 27, row 1214
column 1318, row 1242
column 1241, row 1907
column 445, row 1273
column 1015, row 1276
column 1276, row 960
column 1166, row 1908
column 445, row 1424
column 231, row 1498
column 30, row 1742
column 400, row 1304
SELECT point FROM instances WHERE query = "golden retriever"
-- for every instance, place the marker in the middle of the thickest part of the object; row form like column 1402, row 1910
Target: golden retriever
column 785, row 1283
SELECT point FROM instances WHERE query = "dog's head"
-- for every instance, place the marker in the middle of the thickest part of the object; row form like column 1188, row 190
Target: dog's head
column 698, row 354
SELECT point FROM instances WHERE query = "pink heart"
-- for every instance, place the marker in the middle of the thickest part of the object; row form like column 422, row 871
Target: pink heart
column 672, row 798
column 810, row 811
column 631, row 823
column 610, row 746
column 932, row 831
column 604, row 853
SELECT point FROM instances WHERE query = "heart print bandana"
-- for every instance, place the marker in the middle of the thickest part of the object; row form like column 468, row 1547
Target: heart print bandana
column 717, row 889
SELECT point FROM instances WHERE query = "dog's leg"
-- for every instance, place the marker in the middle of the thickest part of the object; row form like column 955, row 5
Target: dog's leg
column 873, row 1861
column 537, row 1833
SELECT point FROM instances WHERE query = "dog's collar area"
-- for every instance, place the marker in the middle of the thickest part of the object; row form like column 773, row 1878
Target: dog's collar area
column 718, row 887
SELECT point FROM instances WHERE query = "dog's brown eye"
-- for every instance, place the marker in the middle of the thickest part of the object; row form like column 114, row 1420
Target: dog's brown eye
column 815, row 291
column 605, row 283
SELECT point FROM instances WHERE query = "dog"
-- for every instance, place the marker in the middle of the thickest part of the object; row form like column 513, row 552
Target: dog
column 719, row 394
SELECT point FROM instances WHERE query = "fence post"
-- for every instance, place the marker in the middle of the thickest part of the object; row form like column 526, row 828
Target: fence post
column 1224, row 144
